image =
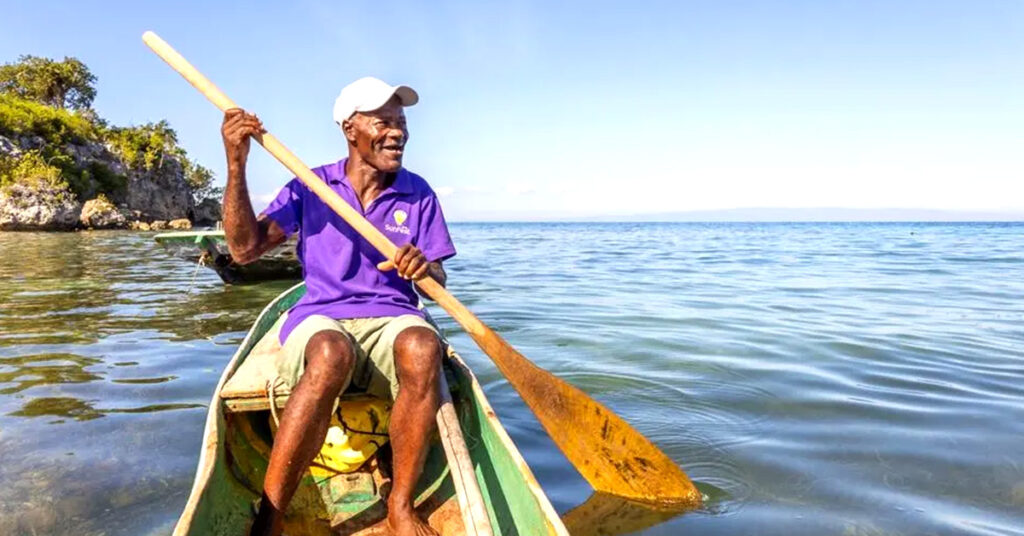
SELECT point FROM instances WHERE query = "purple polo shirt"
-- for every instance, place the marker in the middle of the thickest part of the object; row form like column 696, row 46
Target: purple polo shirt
column 338, row 265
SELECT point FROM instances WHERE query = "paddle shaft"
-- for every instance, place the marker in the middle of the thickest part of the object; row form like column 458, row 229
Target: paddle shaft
column 607, row 451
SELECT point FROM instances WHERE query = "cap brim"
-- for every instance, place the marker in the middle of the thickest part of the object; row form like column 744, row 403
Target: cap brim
column 407, row 95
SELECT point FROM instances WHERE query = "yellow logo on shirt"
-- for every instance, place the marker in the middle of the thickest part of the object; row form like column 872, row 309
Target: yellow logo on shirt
column 400, row 216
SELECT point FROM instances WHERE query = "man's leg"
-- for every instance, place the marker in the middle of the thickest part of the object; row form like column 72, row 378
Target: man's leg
column 417, row 354
column 300, row 436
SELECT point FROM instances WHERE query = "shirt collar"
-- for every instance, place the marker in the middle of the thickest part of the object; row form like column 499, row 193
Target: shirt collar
column 402, row 183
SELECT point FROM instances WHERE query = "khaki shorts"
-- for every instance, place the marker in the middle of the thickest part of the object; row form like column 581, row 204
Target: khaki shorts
column 373, row 340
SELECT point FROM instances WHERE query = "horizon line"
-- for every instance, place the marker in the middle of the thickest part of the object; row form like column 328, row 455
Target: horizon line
column 731, row 221
column 763, row 215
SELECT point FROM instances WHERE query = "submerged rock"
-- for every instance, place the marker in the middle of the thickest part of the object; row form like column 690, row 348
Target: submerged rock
column 38, row 206
column 1017, row 494
column 100, row 213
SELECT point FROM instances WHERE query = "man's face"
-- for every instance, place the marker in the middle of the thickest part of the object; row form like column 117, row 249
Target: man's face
column 379, row 136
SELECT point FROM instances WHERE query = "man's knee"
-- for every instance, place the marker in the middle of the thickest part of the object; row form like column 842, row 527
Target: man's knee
column 329, row 359
column 417, row 358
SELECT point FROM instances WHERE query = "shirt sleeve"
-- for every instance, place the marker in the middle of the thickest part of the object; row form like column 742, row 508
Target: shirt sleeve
column 432, row 236
column 286, row 208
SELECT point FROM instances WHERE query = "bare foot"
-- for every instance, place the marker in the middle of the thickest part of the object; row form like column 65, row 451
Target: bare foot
column 405, row 522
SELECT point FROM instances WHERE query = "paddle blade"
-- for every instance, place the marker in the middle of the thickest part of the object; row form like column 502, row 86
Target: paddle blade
column 610, row 454
column 609, row 515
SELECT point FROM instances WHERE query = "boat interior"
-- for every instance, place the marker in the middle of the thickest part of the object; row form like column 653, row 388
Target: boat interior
column 328, row 501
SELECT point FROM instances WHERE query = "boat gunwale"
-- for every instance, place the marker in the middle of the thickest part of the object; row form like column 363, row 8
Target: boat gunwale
column 179, row 235
column 555, row 524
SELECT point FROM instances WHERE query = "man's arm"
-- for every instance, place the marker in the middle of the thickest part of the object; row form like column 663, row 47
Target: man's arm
column 248, row 237
column 436, row 271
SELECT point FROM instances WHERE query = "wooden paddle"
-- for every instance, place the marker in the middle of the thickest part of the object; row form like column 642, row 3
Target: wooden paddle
column 612, row 456
column 610, row 515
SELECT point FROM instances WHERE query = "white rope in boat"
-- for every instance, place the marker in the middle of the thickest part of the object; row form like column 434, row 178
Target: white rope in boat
column 272, row 384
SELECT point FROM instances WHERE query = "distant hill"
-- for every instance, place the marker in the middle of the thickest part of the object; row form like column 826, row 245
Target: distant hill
column 823, row 214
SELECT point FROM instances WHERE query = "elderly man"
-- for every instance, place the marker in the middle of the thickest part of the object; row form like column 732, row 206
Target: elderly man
column 358, row 321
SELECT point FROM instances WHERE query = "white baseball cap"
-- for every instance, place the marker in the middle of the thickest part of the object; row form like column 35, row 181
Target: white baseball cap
column 368, row 94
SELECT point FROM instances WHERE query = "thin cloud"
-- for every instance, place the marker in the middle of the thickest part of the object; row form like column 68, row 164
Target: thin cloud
column 262, row 200
column 520, row 189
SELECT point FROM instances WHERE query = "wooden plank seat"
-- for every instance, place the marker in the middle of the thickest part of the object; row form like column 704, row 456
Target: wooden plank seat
column 246, row 389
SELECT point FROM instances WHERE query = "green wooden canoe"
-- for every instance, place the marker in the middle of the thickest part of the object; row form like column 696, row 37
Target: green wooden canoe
column 237, row 441
column 209, row 248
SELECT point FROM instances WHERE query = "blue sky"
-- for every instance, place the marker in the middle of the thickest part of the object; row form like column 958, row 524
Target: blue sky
column 535, row 110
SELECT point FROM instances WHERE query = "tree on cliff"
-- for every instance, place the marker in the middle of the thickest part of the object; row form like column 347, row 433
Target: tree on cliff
column 64, row 84
column 145, row 147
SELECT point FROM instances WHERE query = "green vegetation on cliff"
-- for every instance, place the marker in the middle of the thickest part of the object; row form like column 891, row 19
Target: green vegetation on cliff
column 20, row 116
column 29, row 168
column 145, row 147
column 45, row 111
column 53, row 131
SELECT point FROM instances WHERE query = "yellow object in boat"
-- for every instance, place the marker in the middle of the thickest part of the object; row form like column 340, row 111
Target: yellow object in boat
column 358, row 428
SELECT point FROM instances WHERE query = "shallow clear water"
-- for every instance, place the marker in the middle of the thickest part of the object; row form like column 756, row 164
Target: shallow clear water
column 853, row 379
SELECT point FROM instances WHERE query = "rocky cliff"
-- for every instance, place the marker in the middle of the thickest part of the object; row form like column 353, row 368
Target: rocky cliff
column 61, row 171
column 148, row 195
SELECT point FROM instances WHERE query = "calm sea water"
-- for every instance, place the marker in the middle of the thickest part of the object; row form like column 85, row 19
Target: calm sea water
column 853, row 379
